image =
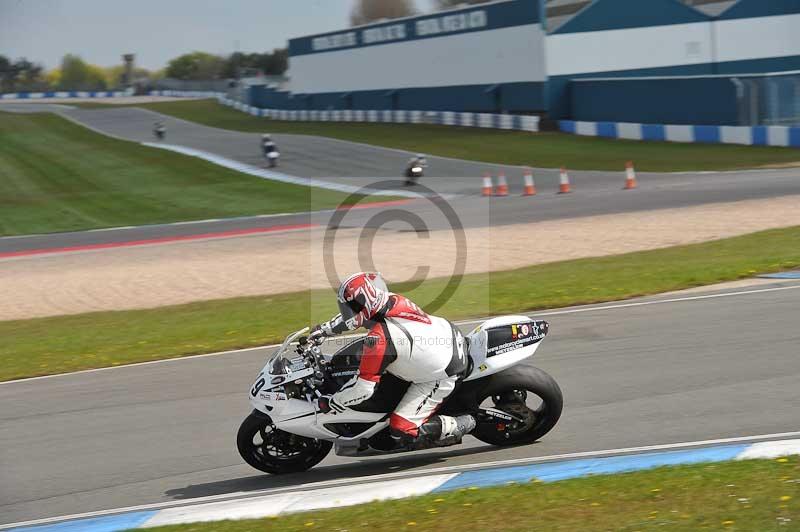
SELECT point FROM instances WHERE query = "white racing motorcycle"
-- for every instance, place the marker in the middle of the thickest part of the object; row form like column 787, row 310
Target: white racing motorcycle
column 513, row 404
column 272, row 158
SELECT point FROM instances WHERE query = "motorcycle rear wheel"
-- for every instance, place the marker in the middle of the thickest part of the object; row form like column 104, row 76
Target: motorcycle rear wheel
column 278, row 452
column 522, row 380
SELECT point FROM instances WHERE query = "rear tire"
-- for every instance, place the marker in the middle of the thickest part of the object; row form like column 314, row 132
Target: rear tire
column 301, row 454
column 530, row 379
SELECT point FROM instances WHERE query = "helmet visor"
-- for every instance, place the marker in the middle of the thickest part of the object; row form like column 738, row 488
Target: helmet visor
column 351, row 308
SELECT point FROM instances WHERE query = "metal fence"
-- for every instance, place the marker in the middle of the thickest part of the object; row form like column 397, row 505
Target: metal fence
column 772, row 100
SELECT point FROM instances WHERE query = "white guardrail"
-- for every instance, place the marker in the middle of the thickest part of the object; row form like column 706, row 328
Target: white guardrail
column 445, row 118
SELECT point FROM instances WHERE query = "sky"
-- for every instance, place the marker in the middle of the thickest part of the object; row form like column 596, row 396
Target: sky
column 101, row 31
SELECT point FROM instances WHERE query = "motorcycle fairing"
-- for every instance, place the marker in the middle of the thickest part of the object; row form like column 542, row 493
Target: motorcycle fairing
column 291, row 414
column 502, row 342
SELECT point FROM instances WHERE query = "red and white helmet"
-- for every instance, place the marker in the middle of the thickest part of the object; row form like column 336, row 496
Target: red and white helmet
column 361, row 296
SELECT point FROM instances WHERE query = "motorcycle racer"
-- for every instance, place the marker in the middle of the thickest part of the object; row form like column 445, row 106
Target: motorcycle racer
column 417, row 160
column 414, row 169
column 268, row 145
column 425, row 350
column 159, row 130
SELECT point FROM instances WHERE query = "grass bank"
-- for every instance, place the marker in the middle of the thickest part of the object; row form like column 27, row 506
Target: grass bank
column 549, row 150
column 752, row 495
column 57, row 176
column 69, row 343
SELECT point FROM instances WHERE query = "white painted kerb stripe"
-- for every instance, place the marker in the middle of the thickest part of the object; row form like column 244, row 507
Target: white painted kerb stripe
column 270, row 505
column 771, row 449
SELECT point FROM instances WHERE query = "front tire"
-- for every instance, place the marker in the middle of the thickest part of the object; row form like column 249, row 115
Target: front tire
column 277, row 452
column 513, row 382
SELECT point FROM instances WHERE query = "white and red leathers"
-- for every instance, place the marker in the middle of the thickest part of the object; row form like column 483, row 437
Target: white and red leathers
column 427, row 351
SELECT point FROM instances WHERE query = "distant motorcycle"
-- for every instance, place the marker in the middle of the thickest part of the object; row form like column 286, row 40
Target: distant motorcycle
column 415, row 169
column 270, row 151
column 272, row 158
column 159, row 130
column 413, row 173
column 513, row 403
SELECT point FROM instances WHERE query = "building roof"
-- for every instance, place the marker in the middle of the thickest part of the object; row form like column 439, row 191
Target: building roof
column 561, row 11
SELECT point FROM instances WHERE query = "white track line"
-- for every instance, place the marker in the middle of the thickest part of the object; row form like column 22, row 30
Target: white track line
column 671, row 300
column 273, row 175
column 407, row 474
column 465, row 322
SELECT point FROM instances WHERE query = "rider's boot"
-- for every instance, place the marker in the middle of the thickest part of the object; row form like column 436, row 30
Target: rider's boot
column 455, row 428
column 438, row 431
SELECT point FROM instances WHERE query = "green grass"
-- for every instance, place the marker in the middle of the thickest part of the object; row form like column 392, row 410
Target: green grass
column 57, row 176
column 548, row 150
column 752, row 495
column 68, row 343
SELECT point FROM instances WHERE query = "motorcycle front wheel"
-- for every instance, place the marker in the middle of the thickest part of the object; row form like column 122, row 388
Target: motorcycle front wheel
column 274, row 451
column 530, row 395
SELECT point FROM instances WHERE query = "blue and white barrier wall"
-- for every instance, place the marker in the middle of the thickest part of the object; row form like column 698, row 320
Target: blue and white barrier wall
column 748, row 135
column 187, row 94
column 444, row 118
column 64, row 94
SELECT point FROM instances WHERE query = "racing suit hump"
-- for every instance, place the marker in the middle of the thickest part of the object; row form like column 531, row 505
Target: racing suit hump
column 426, row 348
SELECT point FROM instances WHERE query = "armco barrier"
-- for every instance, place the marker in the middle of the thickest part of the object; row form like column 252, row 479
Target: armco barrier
column 64, row 94
column 446, row 118
column 747, row 135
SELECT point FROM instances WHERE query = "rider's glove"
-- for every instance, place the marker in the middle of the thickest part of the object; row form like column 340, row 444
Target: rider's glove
column 317, row 334
column 326, row 405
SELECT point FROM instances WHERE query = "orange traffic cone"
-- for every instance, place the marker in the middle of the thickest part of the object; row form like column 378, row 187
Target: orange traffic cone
column 530, row 186
column 488, row 189
column 502, row 185
column 564, row 187
column 630, row 176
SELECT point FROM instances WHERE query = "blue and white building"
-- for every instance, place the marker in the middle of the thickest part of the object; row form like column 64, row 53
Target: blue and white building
column 654, row 61
column 486, row 58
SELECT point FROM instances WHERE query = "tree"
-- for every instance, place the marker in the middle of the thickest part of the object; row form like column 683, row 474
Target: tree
column 278, row 62
column 29, row 72
column 447, row 4
column 97, row 79
column 19, row 75
column 77, row 74
column 74, row 73
column 366, row 11
column 53, row 78
column 5, row 73
column 243, row 65
column 196, row 66
column 5, row 65
column 114, row 75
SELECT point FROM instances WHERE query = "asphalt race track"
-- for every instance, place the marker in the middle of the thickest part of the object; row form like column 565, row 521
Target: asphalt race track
column 675, row 371
column 693, row 369
column 356, row 164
